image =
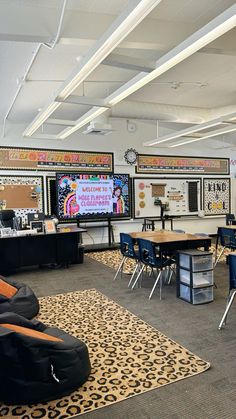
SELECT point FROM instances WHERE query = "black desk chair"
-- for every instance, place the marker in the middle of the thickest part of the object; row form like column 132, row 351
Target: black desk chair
column 232, row 288
column 7, row 218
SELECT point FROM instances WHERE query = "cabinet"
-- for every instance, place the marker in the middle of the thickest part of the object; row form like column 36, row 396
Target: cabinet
column 195, row 277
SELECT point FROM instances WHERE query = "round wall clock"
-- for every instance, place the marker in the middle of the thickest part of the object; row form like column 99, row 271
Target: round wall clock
column 130, row 156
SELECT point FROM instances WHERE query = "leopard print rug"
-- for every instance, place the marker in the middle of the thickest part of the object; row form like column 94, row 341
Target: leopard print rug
column 112, row 258
column 128, row 356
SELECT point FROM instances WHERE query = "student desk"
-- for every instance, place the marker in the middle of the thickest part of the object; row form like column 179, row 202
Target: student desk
column 170, row 240
column 61, row 247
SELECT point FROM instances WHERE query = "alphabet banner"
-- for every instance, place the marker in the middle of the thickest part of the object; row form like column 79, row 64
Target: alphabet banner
column 216, row 196
column 148, row 163
column 54, row 160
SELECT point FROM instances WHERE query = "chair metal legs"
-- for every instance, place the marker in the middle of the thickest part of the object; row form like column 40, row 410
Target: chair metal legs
column 230, row 301
column 219, row 256
column 120, row 267
column 134, row 273
column 155, row 284
column 137, row 277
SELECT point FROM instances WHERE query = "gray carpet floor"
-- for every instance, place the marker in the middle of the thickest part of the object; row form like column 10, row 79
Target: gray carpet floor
column 211, row 395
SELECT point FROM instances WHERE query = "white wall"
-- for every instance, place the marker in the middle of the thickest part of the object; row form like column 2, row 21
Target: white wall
column 118, row 142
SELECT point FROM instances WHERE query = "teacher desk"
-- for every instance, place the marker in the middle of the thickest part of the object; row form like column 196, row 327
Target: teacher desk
column 62, row 247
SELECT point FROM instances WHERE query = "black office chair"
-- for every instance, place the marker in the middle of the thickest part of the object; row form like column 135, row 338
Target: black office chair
column 7, row 218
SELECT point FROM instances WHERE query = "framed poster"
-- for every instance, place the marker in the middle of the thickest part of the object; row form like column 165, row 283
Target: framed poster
column 50, row 226
column 216, row 196
column 54, row 160
column 147, row 163
column 181, row 196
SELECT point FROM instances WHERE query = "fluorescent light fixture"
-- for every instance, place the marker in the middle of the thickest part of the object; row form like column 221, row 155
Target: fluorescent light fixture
column 122, row 26
column 183, row 133
column 195, row 128
column 210, row 135
column 135, row 12
column 118, row 31
column 40, row 119
column 208, row 33
column 85, row 119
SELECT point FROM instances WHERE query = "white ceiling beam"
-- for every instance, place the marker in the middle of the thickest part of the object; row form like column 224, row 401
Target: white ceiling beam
column 84, row 100
column 129, row 63
column 135, row 12
column 218, row 51
column 55, row 121
column 46, row 136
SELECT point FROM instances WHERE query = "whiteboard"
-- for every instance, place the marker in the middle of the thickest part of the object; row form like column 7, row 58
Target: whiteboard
column 182, row 196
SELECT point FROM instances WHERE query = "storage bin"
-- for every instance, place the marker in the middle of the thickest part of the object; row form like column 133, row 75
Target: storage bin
column 196, row 279
column 196, row 295
column 196, row 260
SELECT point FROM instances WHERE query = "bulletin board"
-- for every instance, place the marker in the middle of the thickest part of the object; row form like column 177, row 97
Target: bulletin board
column 182, row 196
column 216, row 196
column 23, row 194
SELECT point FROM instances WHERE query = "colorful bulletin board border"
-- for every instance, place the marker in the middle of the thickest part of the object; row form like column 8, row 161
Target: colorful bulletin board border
column 53, row 160
column 216, row 196
column 147, row 163
column 50, row 193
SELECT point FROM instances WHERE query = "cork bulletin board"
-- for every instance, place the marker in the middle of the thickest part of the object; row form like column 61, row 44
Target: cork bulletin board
column 23, row 194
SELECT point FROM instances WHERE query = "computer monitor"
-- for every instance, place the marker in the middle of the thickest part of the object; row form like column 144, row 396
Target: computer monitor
column 35, row 216
column 7, row 218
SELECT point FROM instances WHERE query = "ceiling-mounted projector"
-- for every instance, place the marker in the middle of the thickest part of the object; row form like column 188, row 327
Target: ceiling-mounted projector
column 98, row 128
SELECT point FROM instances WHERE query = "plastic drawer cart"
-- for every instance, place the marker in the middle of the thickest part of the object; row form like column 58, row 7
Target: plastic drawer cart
column 195, row 276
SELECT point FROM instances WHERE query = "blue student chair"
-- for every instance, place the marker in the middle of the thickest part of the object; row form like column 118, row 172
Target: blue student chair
column 226, row 238
column 232, row 288
column 149, row 258
column 128, row 250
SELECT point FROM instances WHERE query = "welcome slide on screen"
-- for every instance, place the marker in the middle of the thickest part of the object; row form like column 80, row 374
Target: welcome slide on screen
column 95, row 196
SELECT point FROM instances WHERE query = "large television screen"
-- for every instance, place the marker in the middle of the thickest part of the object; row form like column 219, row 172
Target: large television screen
column 92, row 195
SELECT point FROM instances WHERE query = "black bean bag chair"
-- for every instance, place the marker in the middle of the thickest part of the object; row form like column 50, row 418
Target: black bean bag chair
column 17, row 298
column 38, row 363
